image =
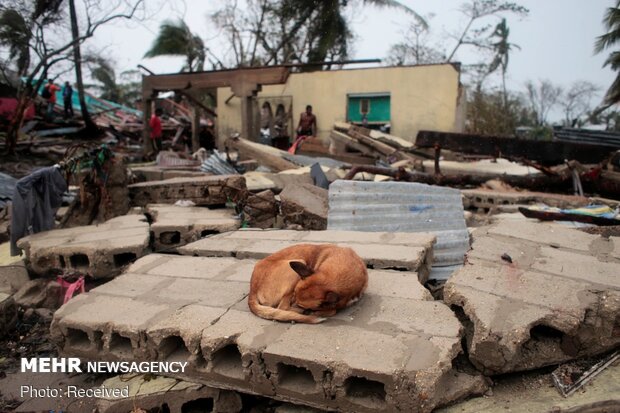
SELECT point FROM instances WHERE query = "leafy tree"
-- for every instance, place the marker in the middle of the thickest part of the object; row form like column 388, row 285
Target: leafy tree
column 542, row 97
column 415, row 48
column 476, row 10
column 176, row 39
column 488, row 113
column 29, row 34
column 576, row 102
column 268, row 32
column 611, row 21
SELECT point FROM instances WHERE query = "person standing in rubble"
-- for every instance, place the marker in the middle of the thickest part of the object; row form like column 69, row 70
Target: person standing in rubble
column 156, row 131
column 49, row 94
column 307, row 123
column 67, row 98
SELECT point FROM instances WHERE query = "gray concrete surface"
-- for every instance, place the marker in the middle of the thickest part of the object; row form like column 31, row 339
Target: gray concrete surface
column 152, row 394
column 174, row 226
column 380, row 250
column 391, row 351
column 559, row 299
column 304, row 205
column 208, row 190
column 99, row 251
column 535, row 393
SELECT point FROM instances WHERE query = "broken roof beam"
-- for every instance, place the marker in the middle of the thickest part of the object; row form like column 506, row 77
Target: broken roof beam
column 215, row 79
column 546, row 152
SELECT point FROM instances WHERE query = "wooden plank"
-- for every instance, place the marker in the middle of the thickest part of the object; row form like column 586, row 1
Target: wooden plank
column 264, row 155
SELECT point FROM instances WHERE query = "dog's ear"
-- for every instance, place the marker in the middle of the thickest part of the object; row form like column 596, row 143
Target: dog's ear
column 301, row 269
column 331, row 297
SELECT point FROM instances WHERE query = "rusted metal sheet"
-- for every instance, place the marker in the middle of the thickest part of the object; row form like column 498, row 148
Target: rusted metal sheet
column 546, row 152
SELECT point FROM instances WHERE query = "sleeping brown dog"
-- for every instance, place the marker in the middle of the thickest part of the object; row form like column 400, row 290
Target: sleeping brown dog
column 320, row 279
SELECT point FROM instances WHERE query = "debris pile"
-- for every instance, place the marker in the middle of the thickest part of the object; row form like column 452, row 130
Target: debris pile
column 152, row 262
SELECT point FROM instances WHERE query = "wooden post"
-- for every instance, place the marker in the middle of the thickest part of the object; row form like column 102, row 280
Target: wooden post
column 146, row 130
column 196, row 129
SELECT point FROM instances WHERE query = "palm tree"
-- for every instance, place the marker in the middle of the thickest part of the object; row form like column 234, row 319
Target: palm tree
column 176, row 39
column 327, row 24
column 15, row 34
column 102, row 71
column 611, row 22
column 502, row 48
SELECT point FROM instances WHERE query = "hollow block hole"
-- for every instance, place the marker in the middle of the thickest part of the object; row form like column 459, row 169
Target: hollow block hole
column 227, row 362
column 78, row 339
column 207, row 232
column 542, row 332
column 173, row 349
column 159, row 409
column 297, row 379
column 365, row 392
column 170, row 237
column 120, row 346
column 63, row 264
column 124, row 258
column 198, row 406
column 79, row 261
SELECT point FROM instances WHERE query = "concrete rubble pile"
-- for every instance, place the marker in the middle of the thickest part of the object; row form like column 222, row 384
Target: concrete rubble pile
column 553, row 297
column 386, row 353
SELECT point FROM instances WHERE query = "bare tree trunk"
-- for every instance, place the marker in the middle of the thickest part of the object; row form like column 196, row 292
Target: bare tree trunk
column 77, row 57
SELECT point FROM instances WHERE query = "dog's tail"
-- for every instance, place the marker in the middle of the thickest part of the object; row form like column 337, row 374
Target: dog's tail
column 271, row 313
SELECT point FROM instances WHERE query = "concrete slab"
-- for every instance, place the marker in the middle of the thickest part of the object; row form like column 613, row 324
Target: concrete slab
column 13, row 277
column 208, row 190
column 391, row 351
column 174, row 226
column 304, row 205
column 535, row 393
column 557, row 300
column 380, row 250
column 100, row 251
column 166, row 394
column 157, row 173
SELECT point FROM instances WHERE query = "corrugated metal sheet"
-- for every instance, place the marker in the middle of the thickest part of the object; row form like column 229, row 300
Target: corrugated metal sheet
column 402, row 207
column 216, row 164
column 594, row 137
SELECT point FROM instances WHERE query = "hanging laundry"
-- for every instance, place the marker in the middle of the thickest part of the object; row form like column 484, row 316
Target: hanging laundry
column 36, row 199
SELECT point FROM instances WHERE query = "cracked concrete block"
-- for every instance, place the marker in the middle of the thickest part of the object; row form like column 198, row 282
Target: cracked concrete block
column 13, row 277
column 100, row 251
column 162, row 393
column 8, row 313
column 392, row 351
column 203, row 191
column 304, row 205
column 177, row 337
column 174, row 226
column 103, row 327
column 261, row 210
column 39, row 293
column 403, row 251
column 558, row 299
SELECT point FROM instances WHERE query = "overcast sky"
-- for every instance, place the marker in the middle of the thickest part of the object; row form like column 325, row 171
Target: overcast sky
column 556, row 38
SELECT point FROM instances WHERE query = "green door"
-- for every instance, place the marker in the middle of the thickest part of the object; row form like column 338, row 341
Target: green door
column 376, row 106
